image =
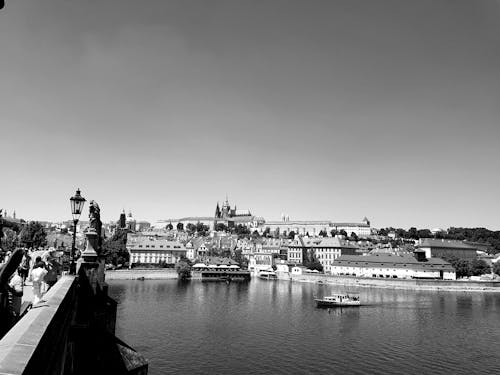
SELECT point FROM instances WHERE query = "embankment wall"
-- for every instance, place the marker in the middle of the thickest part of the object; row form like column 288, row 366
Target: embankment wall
column 415, row 284
column 143, row 274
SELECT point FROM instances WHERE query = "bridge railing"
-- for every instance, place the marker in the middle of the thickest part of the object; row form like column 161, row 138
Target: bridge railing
column 38, row 343
column 72, row 332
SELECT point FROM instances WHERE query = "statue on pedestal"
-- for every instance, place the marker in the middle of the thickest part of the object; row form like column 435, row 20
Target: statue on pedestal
column 95, row 222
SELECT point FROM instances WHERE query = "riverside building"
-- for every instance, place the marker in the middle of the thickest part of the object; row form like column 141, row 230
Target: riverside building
column 153, row 250
column 393, row 266
column 324, row 249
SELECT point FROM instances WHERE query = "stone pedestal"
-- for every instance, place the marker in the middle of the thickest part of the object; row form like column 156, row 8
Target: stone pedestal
column 88, row 260
column 90, row 254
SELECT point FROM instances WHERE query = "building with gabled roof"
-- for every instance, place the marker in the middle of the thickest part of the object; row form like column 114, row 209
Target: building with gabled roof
column 438, row 248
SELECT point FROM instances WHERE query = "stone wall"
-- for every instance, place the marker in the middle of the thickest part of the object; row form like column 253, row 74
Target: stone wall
column 38, row 343
column 72, row 332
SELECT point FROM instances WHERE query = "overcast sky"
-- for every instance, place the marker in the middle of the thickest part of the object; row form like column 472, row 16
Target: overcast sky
column 316, row 109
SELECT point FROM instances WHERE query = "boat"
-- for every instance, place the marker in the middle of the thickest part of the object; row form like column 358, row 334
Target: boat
column 338, row 300
column 268, row 275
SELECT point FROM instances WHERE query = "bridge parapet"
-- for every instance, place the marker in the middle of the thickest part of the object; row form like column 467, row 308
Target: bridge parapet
column 72, row 332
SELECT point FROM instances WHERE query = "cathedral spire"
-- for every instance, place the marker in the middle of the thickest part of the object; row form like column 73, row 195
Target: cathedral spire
column 217, row 211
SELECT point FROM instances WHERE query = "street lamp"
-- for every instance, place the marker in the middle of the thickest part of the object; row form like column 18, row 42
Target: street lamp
column 77, row 203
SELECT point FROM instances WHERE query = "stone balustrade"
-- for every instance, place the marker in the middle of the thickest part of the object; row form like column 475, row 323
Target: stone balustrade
column 71, row 332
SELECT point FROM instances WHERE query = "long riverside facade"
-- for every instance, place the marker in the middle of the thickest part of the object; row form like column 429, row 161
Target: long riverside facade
column 392, row 266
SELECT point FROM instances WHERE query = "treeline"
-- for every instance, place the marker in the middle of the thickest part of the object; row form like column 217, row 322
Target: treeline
column 469, row 267
column 481, row 235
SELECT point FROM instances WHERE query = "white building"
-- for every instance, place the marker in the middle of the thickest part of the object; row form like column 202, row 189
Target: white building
column 330, row 248
column 313, row 228
column 260, row 262
column 393, row 266
column 324, row 249
column 154, row 250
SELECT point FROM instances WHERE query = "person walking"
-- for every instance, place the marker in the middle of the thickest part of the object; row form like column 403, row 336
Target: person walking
column 16, row 289
column 37, row 275
column 25, row 266
column 52, row 268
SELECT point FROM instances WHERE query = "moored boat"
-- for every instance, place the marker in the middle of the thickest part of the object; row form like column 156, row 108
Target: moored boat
column 268, row 275
column 338, row 300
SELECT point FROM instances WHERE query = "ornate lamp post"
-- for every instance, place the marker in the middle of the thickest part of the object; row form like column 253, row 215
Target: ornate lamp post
column 77, row 203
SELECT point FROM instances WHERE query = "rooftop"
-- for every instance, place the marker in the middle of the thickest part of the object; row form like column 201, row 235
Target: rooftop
column 452, row 244
column 142, row 242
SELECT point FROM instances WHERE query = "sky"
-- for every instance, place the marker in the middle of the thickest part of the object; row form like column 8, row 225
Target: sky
column 318, row 109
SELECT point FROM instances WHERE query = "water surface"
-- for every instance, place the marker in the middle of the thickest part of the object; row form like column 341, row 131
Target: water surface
column 266, row 327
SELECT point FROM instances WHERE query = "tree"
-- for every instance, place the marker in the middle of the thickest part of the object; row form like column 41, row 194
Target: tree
column 333, row 232
column 424, row 233
column 191, row 228
column 479, row 267
column 221, row 227
column 202, row 229
column 496, row 268
column 291, row 235
column 312, row 262
column 343, row 233
column 413, row 233
column 322, row 233
column 183, row 270
column 382, row 232
column 33, row 235
column 468, row 267
column 266, row 232
column 170, row 226
column 255, row 234
column 354, row 236
column 180, row 227
column 238, row 257
column 242, row 231
column 9, row 240
column 115, row 248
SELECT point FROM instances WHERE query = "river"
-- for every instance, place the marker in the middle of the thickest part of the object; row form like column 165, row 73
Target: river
column 266, row 327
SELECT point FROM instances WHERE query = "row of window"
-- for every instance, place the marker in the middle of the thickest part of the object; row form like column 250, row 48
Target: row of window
column 151, row 259
column 161, row 246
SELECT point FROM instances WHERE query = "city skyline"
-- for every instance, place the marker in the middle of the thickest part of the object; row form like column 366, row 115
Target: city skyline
column 322, row 110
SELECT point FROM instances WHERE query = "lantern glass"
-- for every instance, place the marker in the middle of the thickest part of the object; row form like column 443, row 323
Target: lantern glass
column 77, row 203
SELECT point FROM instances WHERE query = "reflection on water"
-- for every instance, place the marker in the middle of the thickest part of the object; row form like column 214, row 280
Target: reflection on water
column 266, row 327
